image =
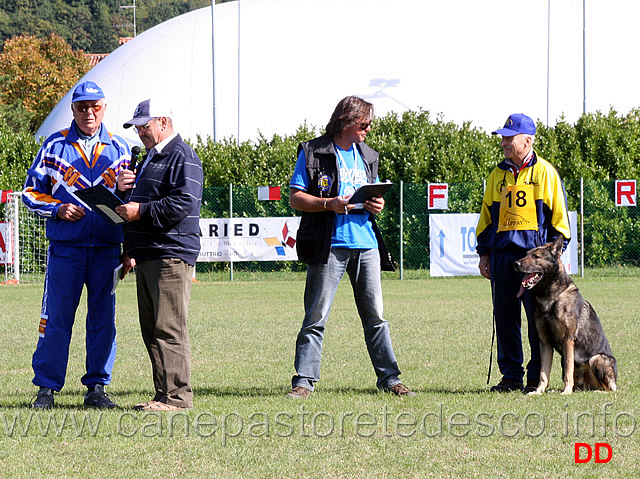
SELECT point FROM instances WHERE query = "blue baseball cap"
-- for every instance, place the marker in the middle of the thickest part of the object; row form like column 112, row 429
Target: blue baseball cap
column 516, row 124
column 87, row 91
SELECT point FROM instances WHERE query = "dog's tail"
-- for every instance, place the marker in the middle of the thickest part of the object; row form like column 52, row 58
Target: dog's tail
column 605, row 370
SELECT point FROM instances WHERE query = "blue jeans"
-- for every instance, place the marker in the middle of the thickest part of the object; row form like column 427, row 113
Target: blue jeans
column 363, row 267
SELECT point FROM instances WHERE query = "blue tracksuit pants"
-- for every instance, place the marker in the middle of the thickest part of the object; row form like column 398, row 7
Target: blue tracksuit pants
column 507, row 307
column 69, row 269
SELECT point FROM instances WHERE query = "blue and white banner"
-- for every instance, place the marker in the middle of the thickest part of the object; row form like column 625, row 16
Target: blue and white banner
column 248, row 239
column 453, row 245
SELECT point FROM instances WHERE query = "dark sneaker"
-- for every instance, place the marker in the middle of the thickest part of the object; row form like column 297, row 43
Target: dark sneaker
column 44, row 399
column 98, row 398
column 400, row 390
column 299, row 393
column 530, row 388
column 507, row 386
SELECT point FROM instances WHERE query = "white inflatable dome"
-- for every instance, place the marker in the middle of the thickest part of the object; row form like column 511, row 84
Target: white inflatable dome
column 471, row 61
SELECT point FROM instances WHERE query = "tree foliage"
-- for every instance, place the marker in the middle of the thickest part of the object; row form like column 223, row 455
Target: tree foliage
column 44, row 42
column 600, row 146
column 416, row 148
column 17, row 151
column 263, row 162
column 36, row 74
column 90, row 25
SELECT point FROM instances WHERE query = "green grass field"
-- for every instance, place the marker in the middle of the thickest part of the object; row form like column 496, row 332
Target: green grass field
column 243, row 336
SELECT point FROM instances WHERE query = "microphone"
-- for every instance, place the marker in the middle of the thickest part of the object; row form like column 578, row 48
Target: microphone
column 135, row 151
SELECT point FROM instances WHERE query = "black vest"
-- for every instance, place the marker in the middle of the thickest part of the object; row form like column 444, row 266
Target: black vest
column 313, row 241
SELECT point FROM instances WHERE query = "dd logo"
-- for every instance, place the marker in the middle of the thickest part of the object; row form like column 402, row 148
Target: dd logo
column 589, row 452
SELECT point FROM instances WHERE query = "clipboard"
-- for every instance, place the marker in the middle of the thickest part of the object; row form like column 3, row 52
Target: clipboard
column 103, row 202
column 370, row 190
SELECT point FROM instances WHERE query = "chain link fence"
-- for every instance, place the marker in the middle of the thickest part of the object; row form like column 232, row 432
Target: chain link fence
column 24, row 243
column 609, row 234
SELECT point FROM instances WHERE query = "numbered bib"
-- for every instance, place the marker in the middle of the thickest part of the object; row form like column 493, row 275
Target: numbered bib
column 518, row 209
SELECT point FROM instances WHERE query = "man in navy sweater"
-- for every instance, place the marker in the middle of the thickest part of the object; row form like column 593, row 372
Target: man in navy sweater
column 162, row 205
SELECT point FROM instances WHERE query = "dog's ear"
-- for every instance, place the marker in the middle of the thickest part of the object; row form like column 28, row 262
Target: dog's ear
column 556, row 247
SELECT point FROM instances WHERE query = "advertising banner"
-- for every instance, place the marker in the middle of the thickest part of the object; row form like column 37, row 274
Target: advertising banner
column 248, row 239
column 453, row 245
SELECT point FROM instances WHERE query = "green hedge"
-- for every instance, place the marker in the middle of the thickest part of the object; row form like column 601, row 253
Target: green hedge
column 414, row 147
column 419, row 149
column 17, row 152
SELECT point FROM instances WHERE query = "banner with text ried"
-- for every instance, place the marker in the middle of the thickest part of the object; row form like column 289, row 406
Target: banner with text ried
column 248, row 239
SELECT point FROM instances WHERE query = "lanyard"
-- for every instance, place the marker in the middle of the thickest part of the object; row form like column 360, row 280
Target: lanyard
column 349, row 190
column 516, row 170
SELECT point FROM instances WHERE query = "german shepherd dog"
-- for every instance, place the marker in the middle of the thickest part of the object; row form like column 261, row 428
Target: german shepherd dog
column 567, row 323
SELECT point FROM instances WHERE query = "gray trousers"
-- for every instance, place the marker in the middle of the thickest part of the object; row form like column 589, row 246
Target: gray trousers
column 164, row 290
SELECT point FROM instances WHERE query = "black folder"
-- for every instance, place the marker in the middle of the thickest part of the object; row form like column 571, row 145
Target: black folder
column 103, row 202
column 370, row 190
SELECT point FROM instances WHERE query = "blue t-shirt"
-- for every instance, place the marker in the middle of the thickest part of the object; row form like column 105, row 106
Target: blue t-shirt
column 352, row 231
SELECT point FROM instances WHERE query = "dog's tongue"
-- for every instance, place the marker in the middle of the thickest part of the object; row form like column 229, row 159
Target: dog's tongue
column 527, row 282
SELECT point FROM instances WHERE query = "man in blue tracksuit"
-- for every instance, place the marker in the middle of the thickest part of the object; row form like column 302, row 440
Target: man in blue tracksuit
column 524, row 206
column 84, row 249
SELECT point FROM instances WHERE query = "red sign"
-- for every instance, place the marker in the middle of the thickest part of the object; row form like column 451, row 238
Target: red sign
column 4, row 196
column 438, row 196
column 626, row 193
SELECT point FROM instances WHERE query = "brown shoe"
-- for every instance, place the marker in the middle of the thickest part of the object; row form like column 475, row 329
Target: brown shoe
column 159, row 406
column 400, row 390
column 141, row 406
column 299, row 393
column 156, row 397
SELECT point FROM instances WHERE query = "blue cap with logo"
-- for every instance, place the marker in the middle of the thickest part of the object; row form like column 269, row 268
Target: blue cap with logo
column 87, row 91
column 516, row 124
column 146, row 111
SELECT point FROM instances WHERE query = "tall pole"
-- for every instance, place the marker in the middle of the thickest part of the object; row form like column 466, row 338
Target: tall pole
column 238, row 130
column 584, row 58
column 548, row 52
column 213, row 66
column 16, row 237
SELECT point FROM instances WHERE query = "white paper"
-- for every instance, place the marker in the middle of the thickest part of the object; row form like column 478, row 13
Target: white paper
column 116, row 278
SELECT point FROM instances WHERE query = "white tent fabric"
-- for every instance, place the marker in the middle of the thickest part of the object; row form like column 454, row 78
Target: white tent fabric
column 471, row 61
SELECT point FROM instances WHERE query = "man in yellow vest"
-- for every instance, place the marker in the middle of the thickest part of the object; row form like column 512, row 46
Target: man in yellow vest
column 524, row 206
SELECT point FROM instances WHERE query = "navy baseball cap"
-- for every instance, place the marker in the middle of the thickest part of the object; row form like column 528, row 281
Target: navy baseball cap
column 516, row 124
column 146, row 111
column 87, row 91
